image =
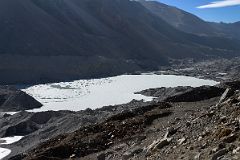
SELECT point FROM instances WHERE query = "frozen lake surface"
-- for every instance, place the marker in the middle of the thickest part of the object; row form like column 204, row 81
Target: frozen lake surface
column 7, row 140
column 96, row 93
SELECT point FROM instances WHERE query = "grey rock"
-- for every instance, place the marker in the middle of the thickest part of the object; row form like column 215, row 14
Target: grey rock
column 221, row 146
column 131, row 153
column 235, row 151
column 219, row 154
column 224, row 96
column 170, row 131
column 182, row 140
column 158, row 144
column 164, row 142
column 197, row 157
column 188, row 123
column 12, row 99
column 101, row 156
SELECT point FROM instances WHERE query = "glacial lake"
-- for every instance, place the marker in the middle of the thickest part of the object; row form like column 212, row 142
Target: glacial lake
column 95, row 93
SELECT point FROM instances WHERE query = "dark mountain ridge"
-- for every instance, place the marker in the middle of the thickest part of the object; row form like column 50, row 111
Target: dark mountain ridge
column 56, row 40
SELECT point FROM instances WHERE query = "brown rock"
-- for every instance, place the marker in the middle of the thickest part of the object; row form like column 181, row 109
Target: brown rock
column 223, row 132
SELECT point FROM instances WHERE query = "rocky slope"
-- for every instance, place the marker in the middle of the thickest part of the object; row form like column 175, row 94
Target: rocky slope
column 207, row 128
column 12, row 100
column 59, row 40
column 218, row 69
column 39, row 127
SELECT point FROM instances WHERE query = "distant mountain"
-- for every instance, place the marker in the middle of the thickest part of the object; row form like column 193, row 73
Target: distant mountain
column 231, row 30
column 178, row 18
column 190, row 23
column 56, row 40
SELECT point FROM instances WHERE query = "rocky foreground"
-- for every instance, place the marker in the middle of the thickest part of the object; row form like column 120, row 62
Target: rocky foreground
column 189, row 123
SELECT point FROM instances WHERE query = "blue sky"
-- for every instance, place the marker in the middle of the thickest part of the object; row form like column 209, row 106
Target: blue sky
column 210, row 10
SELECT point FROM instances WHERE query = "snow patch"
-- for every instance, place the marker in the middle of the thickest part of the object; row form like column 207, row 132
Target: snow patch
column 10, row 140
column 4, row 152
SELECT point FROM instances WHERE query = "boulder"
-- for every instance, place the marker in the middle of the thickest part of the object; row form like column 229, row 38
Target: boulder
column 219, row 154
column 12, row 100
column 158, row 144
column 132, row 152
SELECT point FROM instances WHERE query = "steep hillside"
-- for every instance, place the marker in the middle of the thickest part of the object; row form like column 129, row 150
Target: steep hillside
column 55, row 40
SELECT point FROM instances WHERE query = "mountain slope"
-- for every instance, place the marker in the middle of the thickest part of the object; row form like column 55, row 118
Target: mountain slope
column 55, row 40
column 190, row 23
column 178, row 18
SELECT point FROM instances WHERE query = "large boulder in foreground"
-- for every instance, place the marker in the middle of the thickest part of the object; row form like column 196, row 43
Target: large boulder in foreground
column 12, row 99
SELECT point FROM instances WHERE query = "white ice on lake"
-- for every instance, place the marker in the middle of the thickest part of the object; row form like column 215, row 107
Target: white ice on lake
column 4, row 152
column 95, row 93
